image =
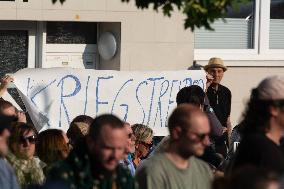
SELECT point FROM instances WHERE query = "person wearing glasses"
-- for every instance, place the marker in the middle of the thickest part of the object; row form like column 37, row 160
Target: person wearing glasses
column 95, row 162
column 177, row 167
column 52, row 146
column 195, row 96
column 21, row 155
column 144, row 142
column 263, row 127
column 130, row 149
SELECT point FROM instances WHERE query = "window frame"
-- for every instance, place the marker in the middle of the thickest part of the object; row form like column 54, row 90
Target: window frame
column 58, row 49
column 30, row 27
column 261, row 49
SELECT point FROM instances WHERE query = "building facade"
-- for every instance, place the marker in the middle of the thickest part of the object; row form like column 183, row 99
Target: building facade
column 40, row 34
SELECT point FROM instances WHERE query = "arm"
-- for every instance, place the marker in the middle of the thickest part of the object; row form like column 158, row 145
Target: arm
column 217, row 129
column 228, row 123
column 209, row 80
column 4, row 84
column 229, row 127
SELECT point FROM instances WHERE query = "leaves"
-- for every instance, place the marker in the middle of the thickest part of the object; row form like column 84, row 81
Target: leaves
column 199, row 13
column 61, row 1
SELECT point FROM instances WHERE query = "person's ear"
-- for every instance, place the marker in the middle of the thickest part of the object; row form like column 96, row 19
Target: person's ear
column 274, row 111
column 176, row 133
column 136, row 145
column 90, row 142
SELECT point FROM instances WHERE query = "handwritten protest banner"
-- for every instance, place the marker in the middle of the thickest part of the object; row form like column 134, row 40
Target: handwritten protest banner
column 54, row 96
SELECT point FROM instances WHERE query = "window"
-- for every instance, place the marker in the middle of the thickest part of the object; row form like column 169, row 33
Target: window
column 276, row 31
column 71, row 33
column 255, row 32
column 234, row 33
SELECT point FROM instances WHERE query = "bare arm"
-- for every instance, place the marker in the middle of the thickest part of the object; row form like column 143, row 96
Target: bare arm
column 4, row 84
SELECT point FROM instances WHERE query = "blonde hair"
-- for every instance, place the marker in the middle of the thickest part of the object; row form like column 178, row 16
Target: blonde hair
column 142, row 132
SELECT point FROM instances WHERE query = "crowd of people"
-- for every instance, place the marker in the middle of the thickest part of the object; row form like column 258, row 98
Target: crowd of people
column 202, row 150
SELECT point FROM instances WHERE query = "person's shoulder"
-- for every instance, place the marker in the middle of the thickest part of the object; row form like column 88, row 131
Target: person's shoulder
column 153, row 163
column 123, row 171
column 256, row 140
column 224, row 88
column 199, row 162
column 125, row 176
column 201, row 166
column 254, row 137
column 5, row 166
column 60, row 170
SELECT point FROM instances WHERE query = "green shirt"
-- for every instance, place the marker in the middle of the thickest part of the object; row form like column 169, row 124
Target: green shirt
column 160, row 172
column 76, row 172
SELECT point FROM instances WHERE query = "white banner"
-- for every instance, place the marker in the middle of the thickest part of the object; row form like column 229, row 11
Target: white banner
column 54, row 96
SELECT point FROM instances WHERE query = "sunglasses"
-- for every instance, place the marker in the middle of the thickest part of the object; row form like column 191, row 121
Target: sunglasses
column 147, row 145
column 200, row 137
column 30, row 139
column 131, row 136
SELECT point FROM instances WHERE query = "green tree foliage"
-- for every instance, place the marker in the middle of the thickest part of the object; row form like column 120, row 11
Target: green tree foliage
column 61, row 1
column 198, row 12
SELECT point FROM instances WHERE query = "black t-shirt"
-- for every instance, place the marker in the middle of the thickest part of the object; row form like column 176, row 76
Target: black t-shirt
column 258, row 150
column 220, row 101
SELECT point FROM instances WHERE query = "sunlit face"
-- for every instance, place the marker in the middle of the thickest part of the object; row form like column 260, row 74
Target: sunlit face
column 130, row 148
column 10, row 111
column 143, row 147
column 217, row 74
column 65, row 153
column 4, row 137
column 109, row 148
column 24, row 148
column 194, row 139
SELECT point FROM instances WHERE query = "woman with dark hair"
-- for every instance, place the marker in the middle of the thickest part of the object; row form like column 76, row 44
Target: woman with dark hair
column 79, row 128
column 263, row 126
column 21, row 157
column 52, row 146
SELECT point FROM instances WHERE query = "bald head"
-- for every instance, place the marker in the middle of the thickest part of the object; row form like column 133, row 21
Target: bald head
column 182, row 116
column 189, row 130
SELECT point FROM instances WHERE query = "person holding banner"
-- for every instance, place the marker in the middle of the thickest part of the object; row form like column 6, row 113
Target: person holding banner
column 95, row 162
column 4, row 84
column 7, row 109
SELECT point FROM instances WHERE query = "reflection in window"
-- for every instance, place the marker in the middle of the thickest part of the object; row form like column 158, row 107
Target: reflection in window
column 71, row 33
column 237, row 32
column 276, row 32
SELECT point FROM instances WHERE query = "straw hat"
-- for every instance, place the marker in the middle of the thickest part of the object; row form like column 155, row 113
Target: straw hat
column 215, row 63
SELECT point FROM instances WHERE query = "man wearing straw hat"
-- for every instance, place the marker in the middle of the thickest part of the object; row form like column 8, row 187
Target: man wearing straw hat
column 219, row 97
